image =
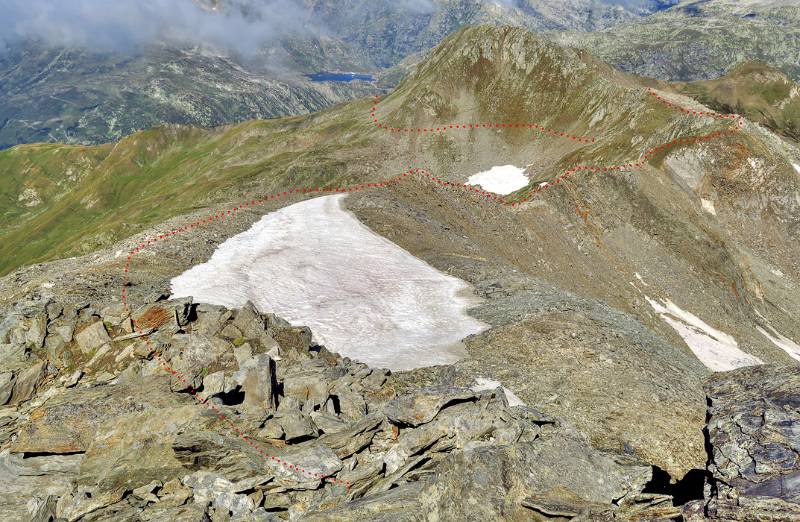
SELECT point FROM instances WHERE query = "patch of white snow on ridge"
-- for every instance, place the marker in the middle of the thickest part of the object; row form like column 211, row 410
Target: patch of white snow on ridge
column 484, row 384
column 501, row 180
column 781, row 341
column 708, row 206
column 796, row 167
column 364, row 297
column 717, row 350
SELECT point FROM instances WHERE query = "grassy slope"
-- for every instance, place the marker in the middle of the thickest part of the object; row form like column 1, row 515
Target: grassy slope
column 479, row 74
column 160, row 173
column 758, row 91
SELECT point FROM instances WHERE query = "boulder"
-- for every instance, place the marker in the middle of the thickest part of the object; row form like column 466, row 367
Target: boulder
column 353, row 438
column 221, row 492
column 26, row 327
column 32, row 479
column 327, row 422
column 249, row 322
column 304, row 464
column 26, row 383
column 242, row 353
column 421, row 407
column 173, row 493
column 294, row 341
column 297, row 426
column 7, row 380
column 92, row 337
column 258, row 381
column 308, row 387
column 65, row 331
column 192, row 355
column 351, row 404
column 213, row 384
column 147, row 492
column 272, row 429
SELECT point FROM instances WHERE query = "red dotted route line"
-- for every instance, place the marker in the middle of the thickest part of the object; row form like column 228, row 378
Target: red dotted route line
column 467, row 126
column 232, row 213
column 423, row 174
column 691, row 112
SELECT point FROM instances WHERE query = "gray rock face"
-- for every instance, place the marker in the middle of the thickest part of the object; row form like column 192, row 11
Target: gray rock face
column 754, row 434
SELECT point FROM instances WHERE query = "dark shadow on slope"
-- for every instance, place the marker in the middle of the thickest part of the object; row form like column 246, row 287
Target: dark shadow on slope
column 690, row 487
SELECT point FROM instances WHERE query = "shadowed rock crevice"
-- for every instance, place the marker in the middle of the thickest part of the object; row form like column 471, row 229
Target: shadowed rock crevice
column 689, row 488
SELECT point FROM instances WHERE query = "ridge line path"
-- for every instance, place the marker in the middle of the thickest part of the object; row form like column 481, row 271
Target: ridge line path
column 422, row 175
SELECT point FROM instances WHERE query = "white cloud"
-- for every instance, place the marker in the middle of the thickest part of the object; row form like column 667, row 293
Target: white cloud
column 122, row 25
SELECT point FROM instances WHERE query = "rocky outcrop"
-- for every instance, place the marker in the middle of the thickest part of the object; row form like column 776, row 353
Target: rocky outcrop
column 208, row 413
column 754, row 446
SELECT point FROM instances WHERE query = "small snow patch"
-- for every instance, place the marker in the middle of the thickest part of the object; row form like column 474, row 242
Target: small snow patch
column 501, row 180
column 484, row 384
column 781, row 341
column 796, row 167
column 708, row 206
column 717, row 350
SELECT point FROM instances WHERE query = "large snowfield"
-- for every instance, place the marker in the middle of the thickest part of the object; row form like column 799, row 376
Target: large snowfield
column 501, row 180
column 717, row 350
column 364, row 297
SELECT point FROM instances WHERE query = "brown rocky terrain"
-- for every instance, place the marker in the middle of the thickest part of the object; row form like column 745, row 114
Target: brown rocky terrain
column 201, row 412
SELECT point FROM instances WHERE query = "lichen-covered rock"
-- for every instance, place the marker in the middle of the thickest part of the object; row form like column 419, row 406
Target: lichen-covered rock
column 296, row 426
column 754, row 435
column 222, row 493
column 92, row 337
column 422, row 407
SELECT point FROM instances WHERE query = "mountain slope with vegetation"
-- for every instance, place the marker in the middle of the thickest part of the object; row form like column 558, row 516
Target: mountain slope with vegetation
column 52, row 92
column 758, row 91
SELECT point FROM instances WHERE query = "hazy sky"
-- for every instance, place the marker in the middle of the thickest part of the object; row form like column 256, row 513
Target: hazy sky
column 120, row 25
